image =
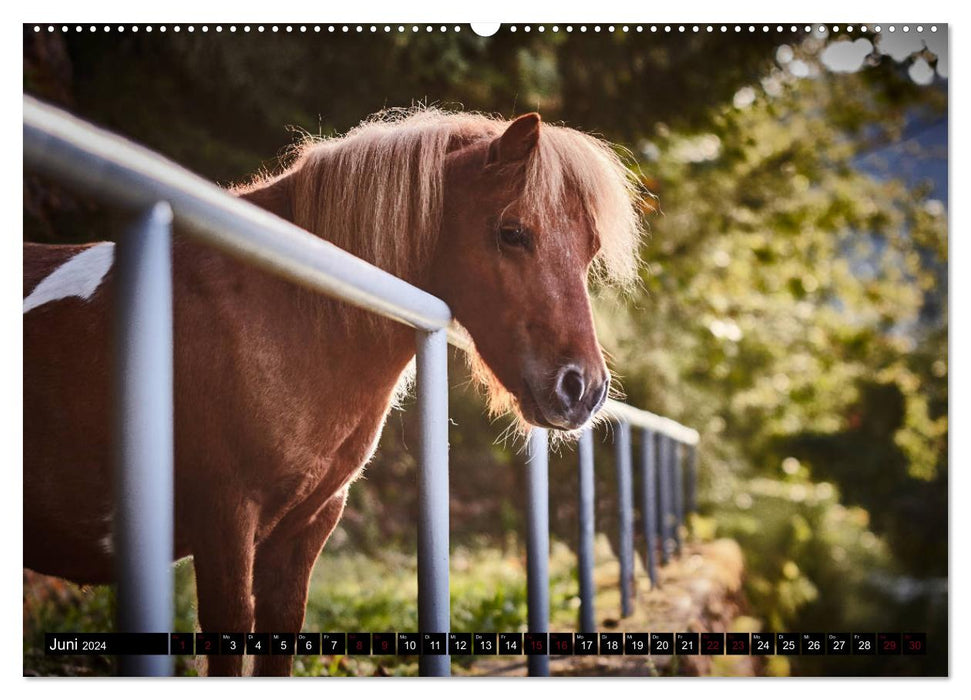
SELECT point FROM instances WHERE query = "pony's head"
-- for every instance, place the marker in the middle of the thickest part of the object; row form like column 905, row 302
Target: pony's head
column 527, row 214
column 505, row 221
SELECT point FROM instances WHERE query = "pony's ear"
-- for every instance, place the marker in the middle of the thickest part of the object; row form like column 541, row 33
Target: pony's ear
column 517, row 141
column 274, row 195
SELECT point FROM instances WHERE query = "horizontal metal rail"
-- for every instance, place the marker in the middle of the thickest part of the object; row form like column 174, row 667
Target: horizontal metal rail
column 109, row 167
column 621, row 412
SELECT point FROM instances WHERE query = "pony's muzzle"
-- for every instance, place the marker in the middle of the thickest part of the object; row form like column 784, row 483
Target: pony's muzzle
column 578, row 394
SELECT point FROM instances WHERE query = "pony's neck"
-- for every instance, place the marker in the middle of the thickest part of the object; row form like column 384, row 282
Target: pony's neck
column 316, row 345
column 341, row 333
column 362, row 351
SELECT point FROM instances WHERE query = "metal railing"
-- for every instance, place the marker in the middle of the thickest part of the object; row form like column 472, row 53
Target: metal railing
column 112, row 169
column 663, row 443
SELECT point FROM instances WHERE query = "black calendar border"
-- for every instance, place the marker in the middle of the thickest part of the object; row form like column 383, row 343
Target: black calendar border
column 620, row 643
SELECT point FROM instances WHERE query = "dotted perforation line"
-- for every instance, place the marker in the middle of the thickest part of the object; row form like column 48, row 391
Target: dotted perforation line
column 724, row 28
column 246, row 28
column 428, row 28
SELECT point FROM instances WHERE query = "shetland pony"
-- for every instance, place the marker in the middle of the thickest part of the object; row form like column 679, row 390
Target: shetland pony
column 281, row 394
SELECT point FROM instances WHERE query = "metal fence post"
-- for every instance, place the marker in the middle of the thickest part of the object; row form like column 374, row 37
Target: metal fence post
column 585, row 545
column 538, row 544
column 433, row 521
column 143, row 429
column 664, row 493
column 649, row 502
column 677, row 466
column 692, row 479
column 625, row 498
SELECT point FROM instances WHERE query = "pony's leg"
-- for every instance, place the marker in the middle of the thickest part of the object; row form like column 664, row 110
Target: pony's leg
column 281, row 578
column 223, row 556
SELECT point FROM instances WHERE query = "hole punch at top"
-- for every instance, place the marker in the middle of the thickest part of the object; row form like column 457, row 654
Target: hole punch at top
column 485, row 28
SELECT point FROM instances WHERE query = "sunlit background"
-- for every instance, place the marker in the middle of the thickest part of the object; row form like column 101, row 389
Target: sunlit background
column 792, row 306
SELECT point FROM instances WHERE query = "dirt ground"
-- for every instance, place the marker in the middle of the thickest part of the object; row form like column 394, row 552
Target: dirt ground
column 699, row 592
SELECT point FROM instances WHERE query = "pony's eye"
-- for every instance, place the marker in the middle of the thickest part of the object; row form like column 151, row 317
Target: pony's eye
column 514, row 235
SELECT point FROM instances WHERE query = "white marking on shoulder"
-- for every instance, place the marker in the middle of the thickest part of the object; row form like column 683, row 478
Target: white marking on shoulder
column 78, row 277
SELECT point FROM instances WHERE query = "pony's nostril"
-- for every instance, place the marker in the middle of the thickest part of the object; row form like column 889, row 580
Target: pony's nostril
column 570, row 387
column 599, row 396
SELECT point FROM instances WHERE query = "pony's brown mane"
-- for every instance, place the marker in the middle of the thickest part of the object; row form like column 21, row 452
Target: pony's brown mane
column 378, row 193
column 378, row 190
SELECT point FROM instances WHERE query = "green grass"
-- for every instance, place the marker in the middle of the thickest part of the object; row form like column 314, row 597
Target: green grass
column 349, row 592
column 488, row 591
column 353, row 592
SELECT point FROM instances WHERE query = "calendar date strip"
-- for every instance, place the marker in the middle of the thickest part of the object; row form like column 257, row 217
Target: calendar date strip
column 488, row 643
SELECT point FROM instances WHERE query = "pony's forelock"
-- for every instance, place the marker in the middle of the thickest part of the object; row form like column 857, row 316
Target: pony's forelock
column 569, row 164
